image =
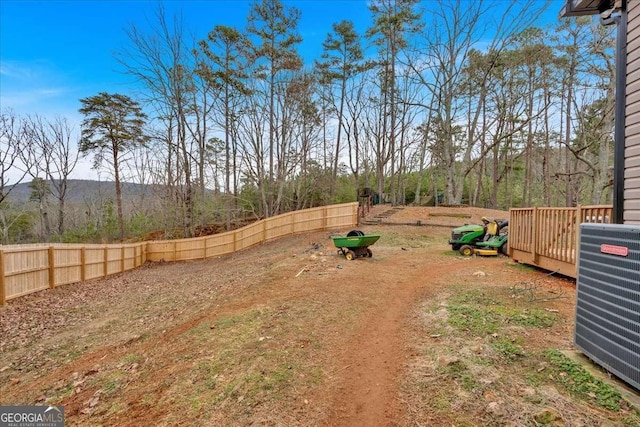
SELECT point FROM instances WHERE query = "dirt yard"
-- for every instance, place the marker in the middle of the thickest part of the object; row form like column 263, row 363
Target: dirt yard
column 291, row 334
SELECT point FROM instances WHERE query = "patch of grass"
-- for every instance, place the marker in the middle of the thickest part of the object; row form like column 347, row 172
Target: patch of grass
column 442, row 403
column 205, row 374
column 508, row 348
column 450, row 215
column 111, row 385
column 632, row 420
column 581, row 383
column 481, row 315
column 472, row 319
column 459, row 372
column 67, row 352
column 534, row 379
column 115, row 408
column 61, row 393
column 227, row 322
column 519, row 266
column 476, row 297
column 132, row 358
column 268, row 380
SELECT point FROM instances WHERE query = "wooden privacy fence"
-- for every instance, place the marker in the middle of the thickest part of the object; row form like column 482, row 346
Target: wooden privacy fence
column 25, row 269
column 548, row 237
column 308, row 220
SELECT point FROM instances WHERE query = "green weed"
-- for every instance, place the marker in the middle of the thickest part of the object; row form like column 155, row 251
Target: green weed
column 508, row 348
column 581, row 383
column 519, row 266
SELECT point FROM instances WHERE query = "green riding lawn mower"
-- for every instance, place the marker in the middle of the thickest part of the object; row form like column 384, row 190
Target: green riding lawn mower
column 490, row 238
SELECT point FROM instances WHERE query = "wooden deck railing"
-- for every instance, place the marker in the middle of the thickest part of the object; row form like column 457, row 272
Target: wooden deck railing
column 548, row 237
column 25, row 269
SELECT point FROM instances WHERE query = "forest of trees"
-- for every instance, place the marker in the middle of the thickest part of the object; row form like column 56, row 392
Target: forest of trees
column 457, row 101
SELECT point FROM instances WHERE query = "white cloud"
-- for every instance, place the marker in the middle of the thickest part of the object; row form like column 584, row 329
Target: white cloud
column 21, row 71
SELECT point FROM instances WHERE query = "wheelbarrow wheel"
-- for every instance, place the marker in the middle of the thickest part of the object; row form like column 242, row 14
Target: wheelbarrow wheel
column 350, row 255
column 369, row 253
column 355, row 233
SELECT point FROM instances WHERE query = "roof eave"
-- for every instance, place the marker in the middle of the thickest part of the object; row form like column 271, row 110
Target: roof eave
column 584, row 7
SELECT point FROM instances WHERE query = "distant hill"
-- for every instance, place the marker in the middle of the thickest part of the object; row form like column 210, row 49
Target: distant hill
column 80, row 190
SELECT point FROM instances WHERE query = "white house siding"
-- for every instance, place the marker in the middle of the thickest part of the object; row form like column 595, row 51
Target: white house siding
column 632, row 129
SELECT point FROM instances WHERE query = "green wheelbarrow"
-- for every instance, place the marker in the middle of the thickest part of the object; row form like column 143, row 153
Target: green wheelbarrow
column 355, row 244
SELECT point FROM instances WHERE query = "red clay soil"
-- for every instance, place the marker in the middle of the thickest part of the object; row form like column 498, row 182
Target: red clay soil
column 288, row 333
column 375, row 356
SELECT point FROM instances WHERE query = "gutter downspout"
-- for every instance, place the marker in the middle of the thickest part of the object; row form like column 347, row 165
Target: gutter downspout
column 620, row 111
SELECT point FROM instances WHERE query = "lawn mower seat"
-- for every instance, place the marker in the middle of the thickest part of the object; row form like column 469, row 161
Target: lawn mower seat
column 492, row 230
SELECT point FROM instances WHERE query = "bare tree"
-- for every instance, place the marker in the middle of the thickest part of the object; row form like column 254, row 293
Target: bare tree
column 12, row 172
column 55, row 156
column 227, row 50
column 164, row 63
column 341, row 62
column 394, row 22
column 274, row 26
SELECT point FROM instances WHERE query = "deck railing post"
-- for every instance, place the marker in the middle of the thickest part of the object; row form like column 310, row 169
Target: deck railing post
column 534, row 235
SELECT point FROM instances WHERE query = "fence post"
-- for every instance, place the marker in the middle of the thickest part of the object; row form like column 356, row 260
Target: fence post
column 264, row 230
column 292, row 223
column 83, row 264
column 3, row 295
column 235, row 240
column 324, row 218
column 105, row 268
column 135, row 255
column 52, row 268
column 122, row 253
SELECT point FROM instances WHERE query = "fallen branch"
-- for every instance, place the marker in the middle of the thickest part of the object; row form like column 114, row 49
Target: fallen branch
column 302, row 271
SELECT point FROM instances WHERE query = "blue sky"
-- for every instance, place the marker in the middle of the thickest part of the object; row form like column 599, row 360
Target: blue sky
column 52, row 53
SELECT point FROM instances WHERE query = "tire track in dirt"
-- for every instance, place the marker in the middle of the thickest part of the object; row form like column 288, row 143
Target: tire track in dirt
column 372, row 364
